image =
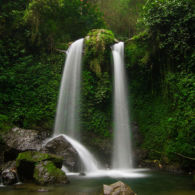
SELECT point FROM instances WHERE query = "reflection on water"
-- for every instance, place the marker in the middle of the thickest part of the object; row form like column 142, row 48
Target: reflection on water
column 154, row 183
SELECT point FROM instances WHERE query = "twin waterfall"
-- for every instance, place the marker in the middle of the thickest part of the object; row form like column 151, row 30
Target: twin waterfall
column 67, row 116
column 122, row 154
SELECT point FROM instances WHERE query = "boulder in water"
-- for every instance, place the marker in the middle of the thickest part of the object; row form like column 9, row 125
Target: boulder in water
column 46, row 172
column 27, row 161
column 118, row 188
column 61, row 147
column 9, row 177
column 9, row 173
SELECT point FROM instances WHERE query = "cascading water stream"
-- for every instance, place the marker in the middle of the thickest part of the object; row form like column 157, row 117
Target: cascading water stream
column 90, row 164
column 67, row 116
column 122, row 152
column 1, row 182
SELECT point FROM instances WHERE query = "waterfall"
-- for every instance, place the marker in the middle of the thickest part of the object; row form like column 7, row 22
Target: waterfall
column 122, row 153
column 67, row 116
column 1, row 182
column 89, row 162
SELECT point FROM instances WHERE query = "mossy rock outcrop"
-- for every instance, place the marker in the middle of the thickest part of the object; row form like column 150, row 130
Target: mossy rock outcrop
column 46, row 172
column 96, row 108
column 97, row 50
column 19, row 140
column 34, row 157
column 28, row 167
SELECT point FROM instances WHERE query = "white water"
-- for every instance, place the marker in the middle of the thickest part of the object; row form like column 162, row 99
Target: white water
column 93, row 169
column 1, row 183
column 116, row 173
column 122, row 152
column 67, row 116
column 89, row 162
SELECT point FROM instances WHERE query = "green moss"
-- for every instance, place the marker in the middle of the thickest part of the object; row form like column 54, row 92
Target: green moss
column 51, row 168
column 46, row 173
column 97, row 49
column 97, row 82
column 142, row 36
column 34, row 157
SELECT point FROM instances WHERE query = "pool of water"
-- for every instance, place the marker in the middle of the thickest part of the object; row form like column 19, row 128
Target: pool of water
column 143, row 182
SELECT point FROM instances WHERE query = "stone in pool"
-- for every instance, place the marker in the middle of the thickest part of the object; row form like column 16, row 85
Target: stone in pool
column 118, row 188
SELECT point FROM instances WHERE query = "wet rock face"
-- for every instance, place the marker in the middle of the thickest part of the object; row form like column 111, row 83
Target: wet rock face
column 46, row 172
column 61, row 147
column 118, row 188
column 9, row 173
column 19, row 140
column 9, row 177
column 22, row 139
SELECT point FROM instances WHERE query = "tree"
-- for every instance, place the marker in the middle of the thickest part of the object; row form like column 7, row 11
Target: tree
column 52, row 21
column 121, row 15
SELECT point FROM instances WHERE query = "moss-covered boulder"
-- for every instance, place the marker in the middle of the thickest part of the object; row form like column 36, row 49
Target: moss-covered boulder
column 19, row 140
column 34, row 157
column 46, row 172
column 97, row 50
column 27, row 161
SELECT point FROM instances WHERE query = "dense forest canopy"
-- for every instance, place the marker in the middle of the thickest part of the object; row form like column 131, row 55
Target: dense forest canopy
column 121, row 15
column 159, row 50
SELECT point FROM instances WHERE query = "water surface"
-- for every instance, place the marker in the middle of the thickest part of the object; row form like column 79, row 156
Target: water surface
column 152, row 183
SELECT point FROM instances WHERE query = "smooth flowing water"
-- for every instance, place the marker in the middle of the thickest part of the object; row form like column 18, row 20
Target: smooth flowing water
column 156, row 183
column 122, row 152
column 67, row 116
column 89, row 162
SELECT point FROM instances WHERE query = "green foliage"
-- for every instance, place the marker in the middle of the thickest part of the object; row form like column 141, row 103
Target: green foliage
column 170, row 25
column 29, row 91
column 97, row 50
column 181, row 91
column 30, row 70
column 168, row 130
column 4, row 123
column 160, row 63
column 96, row 106
column 121, row 15
column 70, row 19
column 96, row 82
